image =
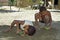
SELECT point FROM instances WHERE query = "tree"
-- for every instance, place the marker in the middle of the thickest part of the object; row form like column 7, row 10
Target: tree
column 11, row 3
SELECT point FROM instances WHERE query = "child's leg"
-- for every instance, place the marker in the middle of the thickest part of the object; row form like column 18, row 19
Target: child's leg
column 18, row 28
column 12, row 24
column 50, row 25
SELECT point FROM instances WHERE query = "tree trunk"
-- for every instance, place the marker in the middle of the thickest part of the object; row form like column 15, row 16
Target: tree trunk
column 10, row 7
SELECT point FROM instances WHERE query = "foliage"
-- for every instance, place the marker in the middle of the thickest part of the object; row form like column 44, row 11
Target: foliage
column 11, row 2
column 25, row 3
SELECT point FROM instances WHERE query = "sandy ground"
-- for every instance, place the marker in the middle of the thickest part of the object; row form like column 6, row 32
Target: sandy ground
column 41, row 34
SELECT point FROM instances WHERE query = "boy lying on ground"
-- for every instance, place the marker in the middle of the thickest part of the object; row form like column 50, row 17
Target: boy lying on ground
column 23, row 25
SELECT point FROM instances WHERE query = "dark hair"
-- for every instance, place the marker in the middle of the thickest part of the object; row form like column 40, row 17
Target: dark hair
column 31, row 30
column 42, row 8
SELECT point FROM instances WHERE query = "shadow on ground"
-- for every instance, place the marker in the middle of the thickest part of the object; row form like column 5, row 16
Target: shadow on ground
column 41, row 34
column 6, row 11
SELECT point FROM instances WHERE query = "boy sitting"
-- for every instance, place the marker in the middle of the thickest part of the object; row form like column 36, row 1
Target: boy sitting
column 44, row 16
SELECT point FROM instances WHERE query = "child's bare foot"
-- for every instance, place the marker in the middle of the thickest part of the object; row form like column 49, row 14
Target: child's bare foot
column 7, row 30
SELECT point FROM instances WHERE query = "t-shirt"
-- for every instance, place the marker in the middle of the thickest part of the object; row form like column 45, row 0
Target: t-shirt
column 26, row 23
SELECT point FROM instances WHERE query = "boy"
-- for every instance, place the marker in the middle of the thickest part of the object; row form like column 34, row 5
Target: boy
column 24, row 25
column 44, row 16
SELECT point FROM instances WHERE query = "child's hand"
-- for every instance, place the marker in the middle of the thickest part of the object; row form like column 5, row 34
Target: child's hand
column 21, row 33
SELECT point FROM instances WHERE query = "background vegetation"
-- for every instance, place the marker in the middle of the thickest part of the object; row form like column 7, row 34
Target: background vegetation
column 25, row 3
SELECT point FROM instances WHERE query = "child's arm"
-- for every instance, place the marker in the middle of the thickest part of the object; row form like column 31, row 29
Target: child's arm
column 50, row 18
column 36, row 18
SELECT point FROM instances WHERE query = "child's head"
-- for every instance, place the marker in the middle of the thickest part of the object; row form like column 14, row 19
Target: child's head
column 42, row 8
column 30, row 30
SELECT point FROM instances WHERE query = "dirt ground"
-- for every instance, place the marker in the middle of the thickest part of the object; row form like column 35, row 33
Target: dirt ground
column 41, row 34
